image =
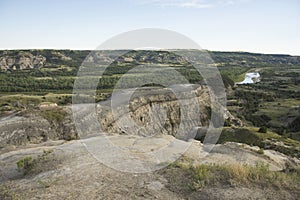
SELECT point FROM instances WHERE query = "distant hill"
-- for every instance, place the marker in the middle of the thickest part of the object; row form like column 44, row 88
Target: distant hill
column 11, row 60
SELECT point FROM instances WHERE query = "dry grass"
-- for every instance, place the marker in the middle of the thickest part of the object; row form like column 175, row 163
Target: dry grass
column 204, row 175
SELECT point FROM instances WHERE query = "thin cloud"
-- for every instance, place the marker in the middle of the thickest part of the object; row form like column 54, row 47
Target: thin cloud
column 191, row 3
column 178, row 3
column 233, row 2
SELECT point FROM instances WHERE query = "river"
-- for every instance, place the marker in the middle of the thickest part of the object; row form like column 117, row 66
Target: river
column 251, row 77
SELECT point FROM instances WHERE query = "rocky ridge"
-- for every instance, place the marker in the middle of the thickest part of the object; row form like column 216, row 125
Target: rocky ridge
column 23, row 60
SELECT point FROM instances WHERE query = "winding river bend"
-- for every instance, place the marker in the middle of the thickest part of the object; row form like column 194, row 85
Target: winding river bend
column 251, row 77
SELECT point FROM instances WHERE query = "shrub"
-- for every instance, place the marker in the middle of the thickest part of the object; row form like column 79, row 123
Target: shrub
column 260, row 151
column 54, row 116
column 263, row 129
column 240, row 135
column 25, row 164
column 28, row 163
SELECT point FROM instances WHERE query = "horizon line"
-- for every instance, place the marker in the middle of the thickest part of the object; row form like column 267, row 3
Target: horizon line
column 220, row 51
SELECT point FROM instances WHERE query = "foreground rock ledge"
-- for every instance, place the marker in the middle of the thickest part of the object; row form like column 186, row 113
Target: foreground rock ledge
column 75, row 173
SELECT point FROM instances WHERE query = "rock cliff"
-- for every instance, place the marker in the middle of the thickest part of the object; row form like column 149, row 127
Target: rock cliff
column 149, row 112
column 34, row 128
column 153, row 111
column 20, row 61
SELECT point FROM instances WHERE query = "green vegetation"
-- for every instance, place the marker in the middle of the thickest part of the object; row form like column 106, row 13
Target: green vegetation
column 250, row 136
column 29, row 164
column 260, row 151
column 25, row 164
column 263, row 129
column 273, row 103
column 54, row 115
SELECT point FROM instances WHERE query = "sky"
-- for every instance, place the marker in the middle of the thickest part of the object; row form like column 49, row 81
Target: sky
column 261, row 26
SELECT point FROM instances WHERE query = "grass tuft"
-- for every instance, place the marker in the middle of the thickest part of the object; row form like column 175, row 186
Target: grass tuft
column 204, row 175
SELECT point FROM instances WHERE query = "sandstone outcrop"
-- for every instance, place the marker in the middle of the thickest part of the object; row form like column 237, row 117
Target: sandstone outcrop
column 23, row 60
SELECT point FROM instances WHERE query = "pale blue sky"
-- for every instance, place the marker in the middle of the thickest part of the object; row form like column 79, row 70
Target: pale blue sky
column 265, row 26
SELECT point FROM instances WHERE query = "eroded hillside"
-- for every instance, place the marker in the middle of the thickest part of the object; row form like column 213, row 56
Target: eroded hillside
column 46, row 154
